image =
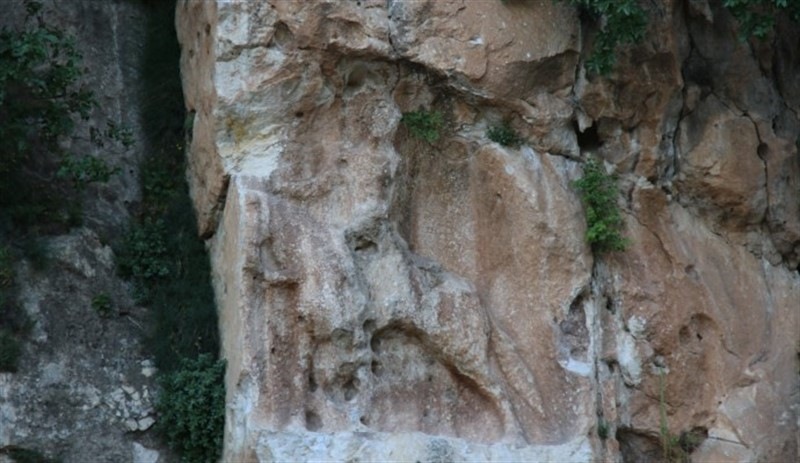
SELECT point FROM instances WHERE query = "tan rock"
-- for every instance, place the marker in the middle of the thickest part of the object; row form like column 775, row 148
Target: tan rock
column 719, row 168
column 383, row 297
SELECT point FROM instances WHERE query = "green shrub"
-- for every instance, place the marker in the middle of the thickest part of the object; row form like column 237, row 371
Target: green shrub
column 25, row 455
column 504, row 135
column 84, row 170
column 598, row 192
column 623, row 22
column 756, row 18
column 602, row 429
column 143, row 255
column 423, row 124
column 167, row 262
column 42, row 95
column 101, row 303
column 191, row 409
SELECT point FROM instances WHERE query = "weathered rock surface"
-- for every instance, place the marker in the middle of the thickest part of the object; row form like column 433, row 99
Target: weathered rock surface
column 84, row 390
column 386, row 298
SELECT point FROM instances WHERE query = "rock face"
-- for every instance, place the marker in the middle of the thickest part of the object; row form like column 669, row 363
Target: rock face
column 386, row 298
column 84, row 390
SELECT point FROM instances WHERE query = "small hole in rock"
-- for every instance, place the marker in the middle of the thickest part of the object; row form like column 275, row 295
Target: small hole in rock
column 313, row 421
column 299, row 114
column 589, row 139
column 762, row 150
column 363, row 420
column 350, row 389
column 363, row 244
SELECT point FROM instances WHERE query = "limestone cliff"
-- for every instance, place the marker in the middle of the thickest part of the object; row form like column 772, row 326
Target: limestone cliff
column 386, row 298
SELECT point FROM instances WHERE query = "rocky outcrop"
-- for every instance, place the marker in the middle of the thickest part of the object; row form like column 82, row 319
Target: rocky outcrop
column 382, row 297
column 84, row 390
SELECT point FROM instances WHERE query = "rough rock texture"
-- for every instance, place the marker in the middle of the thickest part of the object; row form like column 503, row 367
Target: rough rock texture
column 383, row 298
column 84, row 390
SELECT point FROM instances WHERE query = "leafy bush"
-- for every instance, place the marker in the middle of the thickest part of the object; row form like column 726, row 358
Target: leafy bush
column 604, row 222
column 602, row 429
column 143, row 255
column 85, row 170
column 756, row 18
column 25, row 455
column 167, row 261
column 423, row 124
column 504, row 135
column 101, row 303
column 191, row 409
column 42, row 95
column 624, row 22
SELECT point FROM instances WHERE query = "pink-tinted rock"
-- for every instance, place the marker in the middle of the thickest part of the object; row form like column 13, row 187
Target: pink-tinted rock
column 384, row 297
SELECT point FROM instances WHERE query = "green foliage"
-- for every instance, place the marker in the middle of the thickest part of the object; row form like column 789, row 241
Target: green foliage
column 604, row 222
column 84, row 170
column 623, row 22
column 144, row 256
column 42, row 95
column 167, row 262
column 602, row 429
column 101, row 303
column 25, row 455
column 191, row 409
column 756, row 18
column 504, row 135
column 423, row 124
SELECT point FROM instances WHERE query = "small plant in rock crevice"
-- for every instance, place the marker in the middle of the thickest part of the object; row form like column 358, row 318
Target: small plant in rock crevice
column 504, row 135
column 19, row 454
column 675, row 448
column 424, row 124
column 598, row 191
column 602, row 429
column 101, row 303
